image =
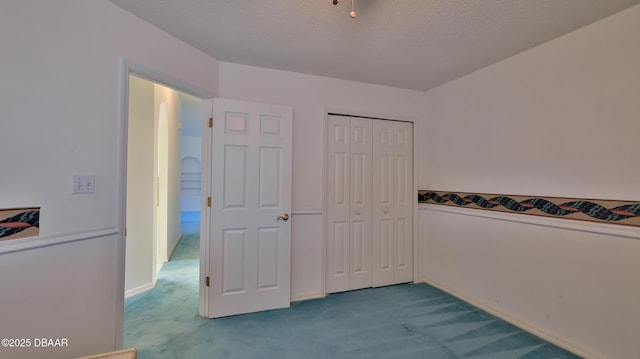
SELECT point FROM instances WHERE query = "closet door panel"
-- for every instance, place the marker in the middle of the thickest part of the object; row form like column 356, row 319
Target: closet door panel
column 383, row 197
column 403, row 205
column 338, row 202
column 360, row 205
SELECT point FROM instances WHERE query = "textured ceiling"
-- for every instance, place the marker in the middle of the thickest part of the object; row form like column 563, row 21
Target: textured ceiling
column 413, row 44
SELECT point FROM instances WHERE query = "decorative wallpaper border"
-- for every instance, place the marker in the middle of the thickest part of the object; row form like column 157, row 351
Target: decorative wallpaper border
column 593, row 210
column 19, row 223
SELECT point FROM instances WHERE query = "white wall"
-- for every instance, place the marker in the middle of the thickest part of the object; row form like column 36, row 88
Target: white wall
column 60, row 110
column 65, row 291
column 311, row 97
column 558, row 120
column 140, row 246
column 171, row 101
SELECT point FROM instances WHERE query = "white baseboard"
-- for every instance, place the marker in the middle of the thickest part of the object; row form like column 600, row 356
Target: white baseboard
column 306, row 296
column 139, row 290
column 528, row 327
column 160, row 263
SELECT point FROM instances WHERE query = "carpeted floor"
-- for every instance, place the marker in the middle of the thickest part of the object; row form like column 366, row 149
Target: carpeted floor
column 404, row 321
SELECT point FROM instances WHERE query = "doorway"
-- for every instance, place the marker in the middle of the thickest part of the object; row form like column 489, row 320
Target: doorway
column 162, row 122
column 271, row 191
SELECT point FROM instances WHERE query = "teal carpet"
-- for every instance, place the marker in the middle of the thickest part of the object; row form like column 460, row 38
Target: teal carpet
column 404, row 321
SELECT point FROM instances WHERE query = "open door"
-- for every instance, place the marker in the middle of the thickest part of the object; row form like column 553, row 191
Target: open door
column 246, row 231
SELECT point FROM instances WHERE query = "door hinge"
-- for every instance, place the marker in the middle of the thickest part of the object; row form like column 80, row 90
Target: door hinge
column 208, row 201
column 207, row 281
column 210, row 122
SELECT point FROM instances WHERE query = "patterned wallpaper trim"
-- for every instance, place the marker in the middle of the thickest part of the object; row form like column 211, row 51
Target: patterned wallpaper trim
column 593, row 210
column 19, row 222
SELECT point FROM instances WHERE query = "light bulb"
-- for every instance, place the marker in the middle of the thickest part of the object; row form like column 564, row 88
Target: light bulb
column 352, row 13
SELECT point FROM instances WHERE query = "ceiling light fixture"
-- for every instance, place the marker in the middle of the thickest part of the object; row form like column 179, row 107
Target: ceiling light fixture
column 353, row 7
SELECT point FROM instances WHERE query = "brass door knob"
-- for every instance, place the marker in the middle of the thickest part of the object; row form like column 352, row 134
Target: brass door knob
column 283, row 217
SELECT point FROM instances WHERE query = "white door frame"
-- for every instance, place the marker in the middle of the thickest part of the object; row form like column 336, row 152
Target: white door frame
column 205, row 183
column 127, row 68
column 379, row 116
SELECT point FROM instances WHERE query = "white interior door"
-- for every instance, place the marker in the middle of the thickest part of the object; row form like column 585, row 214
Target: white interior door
column 348, row 203
column 383, row 194
column 337, row 203
column 249, row 231
column 404, row 202
column 392, row 239
column 360, row 211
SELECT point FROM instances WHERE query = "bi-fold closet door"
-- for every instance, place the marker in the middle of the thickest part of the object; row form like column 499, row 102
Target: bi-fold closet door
column 369, row 214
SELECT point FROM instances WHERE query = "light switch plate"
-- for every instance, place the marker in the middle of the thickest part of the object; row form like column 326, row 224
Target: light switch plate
column 82, row 184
